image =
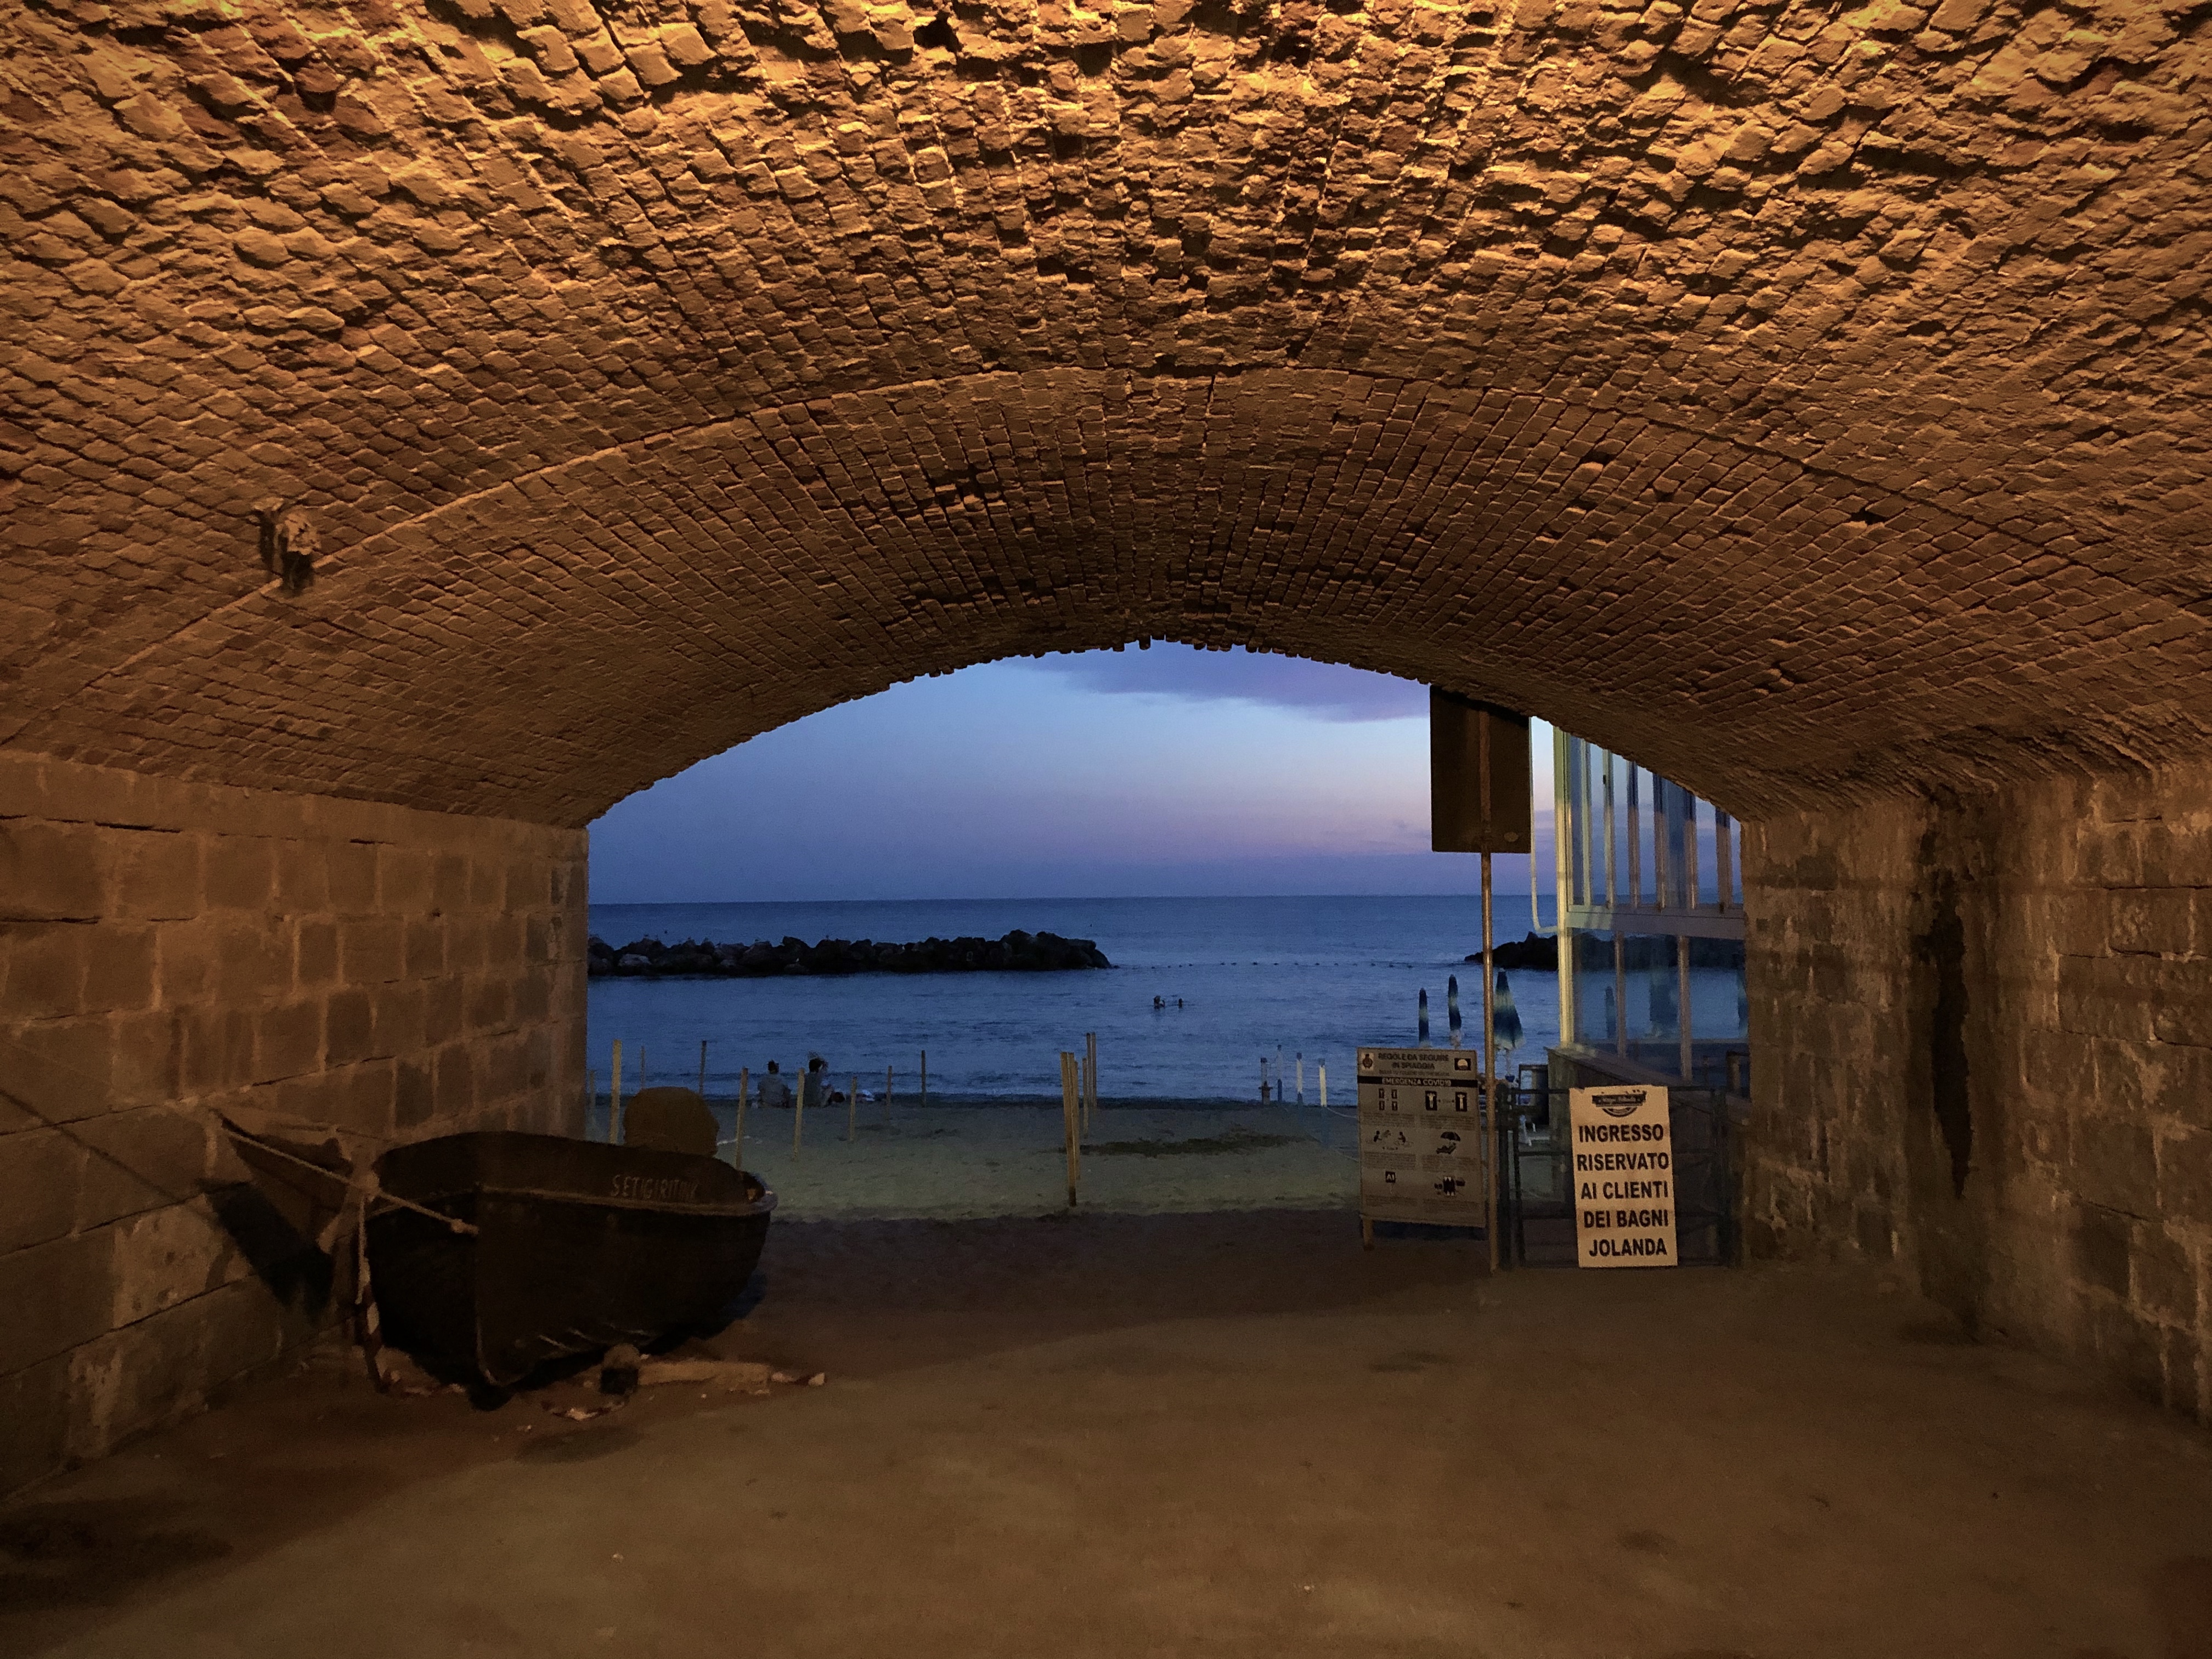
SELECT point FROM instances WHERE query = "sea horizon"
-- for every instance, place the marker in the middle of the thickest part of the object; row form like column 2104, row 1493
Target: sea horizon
column 1202, row 991
column 1498, row 900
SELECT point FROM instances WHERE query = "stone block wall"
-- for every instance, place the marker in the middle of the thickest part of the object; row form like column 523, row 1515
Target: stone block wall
column 1984, row 1039
column 168, row 951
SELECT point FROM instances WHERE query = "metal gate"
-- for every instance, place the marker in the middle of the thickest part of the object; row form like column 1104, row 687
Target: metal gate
column 1536, row 1197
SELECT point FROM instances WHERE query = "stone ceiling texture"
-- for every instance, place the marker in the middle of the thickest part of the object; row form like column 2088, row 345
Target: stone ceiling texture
column 1802, row 399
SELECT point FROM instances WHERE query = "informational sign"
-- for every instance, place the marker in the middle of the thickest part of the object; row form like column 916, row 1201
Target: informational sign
column 1420, row 1136
column 1623, row 1167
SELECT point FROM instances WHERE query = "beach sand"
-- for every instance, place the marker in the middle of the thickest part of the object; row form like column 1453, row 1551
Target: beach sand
column 959, row 1163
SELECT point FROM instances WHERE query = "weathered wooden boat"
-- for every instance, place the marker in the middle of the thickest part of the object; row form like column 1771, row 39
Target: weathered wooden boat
column 566, row 1247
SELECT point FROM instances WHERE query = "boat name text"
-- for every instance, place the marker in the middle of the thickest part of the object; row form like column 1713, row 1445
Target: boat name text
column 656, row 1189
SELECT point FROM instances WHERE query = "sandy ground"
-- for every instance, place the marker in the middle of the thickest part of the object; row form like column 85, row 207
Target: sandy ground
column 962, row 1163
column 1222, row 1434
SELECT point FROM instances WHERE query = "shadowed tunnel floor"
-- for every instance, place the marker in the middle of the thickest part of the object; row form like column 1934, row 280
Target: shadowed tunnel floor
column 1211, row 1434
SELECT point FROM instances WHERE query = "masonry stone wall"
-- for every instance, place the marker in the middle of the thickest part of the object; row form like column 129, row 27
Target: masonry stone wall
column 1983, row 1030
column 171, row 950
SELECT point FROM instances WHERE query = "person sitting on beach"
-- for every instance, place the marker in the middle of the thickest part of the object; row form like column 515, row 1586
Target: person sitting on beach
column 814, row 1087
column 775, row 1088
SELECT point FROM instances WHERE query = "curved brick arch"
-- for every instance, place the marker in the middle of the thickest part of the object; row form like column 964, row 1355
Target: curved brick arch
column 542, row 647
column 1894, row 316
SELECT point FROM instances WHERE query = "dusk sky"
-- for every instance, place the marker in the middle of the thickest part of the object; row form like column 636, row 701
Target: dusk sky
column 1170, row 771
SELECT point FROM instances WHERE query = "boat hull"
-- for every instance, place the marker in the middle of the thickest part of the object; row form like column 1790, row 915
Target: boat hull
column 578, row 1245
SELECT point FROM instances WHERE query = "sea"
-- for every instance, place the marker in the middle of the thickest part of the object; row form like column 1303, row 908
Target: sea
column 1207, row 999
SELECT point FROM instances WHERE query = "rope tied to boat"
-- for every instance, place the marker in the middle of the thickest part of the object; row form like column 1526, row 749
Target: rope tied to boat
column 371, row 1190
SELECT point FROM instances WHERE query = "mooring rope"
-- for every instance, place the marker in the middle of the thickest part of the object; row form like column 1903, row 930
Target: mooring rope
column 370, row 1189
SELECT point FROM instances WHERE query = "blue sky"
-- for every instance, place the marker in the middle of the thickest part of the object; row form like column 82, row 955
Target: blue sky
column 1164, row 772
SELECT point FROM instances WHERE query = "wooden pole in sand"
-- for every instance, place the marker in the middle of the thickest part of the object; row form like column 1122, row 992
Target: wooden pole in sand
column 1070, row 1133
column 703, row 1068
column 852, row 1105
column 737, row 1153
column 614, row 1094
column 798, row 1112
column 925, row 1077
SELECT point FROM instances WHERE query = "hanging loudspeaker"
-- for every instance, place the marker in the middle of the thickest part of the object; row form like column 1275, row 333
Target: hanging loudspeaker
column 1479, row 793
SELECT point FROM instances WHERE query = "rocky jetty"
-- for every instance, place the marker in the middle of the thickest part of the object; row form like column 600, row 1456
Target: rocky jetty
column 1018, row 952
column 1534, row 951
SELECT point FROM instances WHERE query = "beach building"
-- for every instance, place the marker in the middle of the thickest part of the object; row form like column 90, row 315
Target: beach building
column 1650, row 909
column 427, row 423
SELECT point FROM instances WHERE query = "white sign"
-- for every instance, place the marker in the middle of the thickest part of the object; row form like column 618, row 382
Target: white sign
column 1622, row 1167
column 1420, row 1136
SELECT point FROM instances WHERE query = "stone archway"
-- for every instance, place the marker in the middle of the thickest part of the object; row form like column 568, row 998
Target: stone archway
column 1881, row 330
column 1809, row 403
column 1774, row 633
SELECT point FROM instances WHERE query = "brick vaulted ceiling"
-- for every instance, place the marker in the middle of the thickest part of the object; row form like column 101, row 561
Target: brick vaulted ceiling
column 1800, row 398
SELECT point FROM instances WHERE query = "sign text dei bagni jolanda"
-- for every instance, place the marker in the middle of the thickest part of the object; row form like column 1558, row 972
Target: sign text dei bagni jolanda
column 1623, row 1167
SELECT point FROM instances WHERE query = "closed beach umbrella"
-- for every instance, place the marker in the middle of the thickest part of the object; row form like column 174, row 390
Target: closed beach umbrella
column 1505, row 1018
column 1424, row 1037
column 1451, row 1008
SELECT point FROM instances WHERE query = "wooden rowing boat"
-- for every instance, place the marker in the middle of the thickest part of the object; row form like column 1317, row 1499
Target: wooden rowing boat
column 567, row 1247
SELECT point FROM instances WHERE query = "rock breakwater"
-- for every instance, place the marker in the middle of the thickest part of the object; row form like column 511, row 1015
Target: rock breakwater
column 1018, row 952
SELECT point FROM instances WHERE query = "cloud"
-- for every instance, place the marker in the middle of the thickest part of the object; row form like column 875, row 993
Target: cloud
column 1324, row 691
